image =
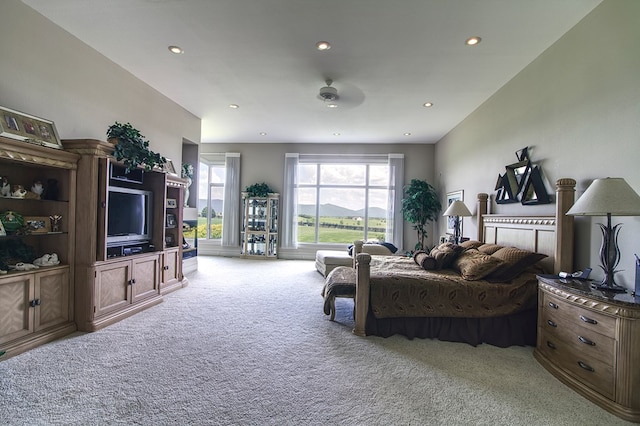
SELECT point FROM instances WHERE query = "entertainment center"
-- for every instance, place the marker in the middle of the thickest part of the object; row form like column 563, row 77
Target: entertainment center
column 127, row 254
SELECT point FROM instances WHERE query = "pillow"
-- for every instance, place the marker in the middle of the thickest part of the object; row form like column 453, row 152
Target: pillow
column 445, row 254
column 471, row 244
column 474, row 265
column 375, row 248
column 425, row 261
column 514, row 262
column 489, row 248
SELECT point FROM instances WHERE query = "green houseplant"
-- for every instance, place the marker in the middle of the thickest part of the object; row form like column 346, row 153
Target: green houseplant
column 132, row 148
column 258, row 190
column 420, row 205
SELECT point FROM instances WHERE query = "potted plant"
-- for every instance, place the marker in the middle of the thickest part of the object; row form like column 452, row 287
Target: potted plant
column 258, row 190
column 132, row 148
column 420, row 205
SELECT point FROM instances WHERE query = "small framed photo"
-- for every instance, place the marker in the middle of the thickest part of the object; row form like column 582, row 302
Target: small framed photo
column 172, row 203
column 169, row 168
column 171, row 221
column 451, row 197
column 37, row 224
column 169, row 240
column 28, row 128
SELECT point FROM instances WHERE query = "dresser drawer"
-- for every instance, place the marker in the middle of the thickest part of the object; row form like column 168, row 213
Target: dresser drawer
column 586, row 319
column 580, row 338
column 591, row 371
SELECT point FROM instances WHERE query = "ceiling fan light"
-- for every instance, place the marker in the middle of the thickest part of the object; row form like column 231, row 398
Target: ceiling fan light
column 328, row 94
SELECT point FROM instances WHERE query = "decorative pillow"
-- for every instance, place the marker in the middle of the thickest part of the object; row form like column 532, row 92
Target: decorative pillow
column 375, row 248
column 514, row 262
column 445, row 254
column 489, row 248
column 474, row 265
column 425, row 261
column 471, row 244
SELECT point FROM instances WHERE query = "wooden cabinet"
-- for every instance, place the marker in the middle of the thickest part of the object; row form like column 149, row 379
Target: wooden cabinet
column 117, row 278
column 36, row 306
column 259, row 237
column 591, row 341
column 171, row 267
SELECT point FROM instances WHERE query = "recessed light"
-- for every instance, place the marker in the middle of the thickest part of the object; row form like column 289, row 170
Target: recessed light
column 336, row 134
column 323, row 45
column 263, row 133
column 472, row 41
column 407, row 134
column 427, row 104
column 234, row 106
column 176, row 49
column 332, row 105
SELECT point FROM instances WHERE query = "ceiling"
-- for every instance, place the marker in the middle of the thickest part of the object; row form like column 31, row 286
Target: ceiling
column 387, row 59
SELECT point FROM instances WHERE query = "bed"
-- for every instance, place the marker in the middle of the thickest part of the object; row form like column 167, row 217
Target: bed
column 395, row 295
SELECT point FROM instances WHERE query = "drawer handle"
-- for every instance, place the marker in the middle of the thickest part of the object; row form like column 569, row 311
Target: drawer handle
column 585, row 366
column 553, row 305
column 551, row 323
column 586, row 341
column 551, row 345
column 588, row 320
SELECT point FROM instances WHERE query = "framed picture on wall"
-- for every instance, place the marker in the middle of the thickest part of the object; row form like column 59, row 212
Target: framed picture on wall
column 451, row 197
column 28, row 128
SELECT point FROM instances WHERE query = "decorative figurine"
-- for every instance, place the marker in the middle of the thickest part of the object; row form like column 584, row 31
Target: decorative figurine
column 37, row 188
column 18, row 191
column 55, row 222
column 5, row 188
column 47, row 260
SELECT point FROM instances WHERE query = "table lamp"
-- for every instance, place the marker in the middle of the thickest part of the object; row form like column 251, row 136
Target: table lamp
column 608, row 197
column 457, row 210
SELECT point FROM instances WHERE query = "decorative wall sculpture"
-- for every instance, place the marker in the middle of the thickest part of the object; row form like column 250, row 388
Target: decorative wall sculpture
column 521, row 182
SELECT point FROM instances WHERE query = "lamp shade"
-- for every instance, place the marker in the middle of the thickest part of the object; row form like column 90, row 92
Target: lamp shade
column 607, row 196
column 457, row 208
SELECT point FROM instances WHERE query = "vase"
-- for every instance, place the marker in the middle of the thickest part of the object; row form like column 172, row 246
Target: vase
column 186, row 192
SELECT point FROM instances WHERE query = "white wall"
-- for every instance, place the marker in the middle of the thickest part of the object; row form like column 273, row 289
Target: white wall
column 49, row 73
column 577, row 107
column 265, row 163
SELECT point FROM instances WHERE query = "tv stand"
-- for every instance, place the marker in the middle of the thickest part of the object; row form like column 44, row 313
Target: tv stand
column 115, row 281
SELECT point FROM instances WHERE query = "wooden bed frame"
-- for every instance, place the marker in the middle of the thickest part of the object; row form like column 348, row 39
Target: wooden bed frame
column 550, row 235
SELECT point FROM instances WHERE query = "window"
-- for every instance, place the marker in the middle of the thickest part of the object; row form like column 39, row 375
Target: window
column 211, row 196
column 339, row 199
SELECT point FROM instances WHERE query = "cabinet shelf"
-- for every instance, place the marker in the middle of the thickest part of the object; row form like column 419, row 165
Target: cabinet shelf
column 259, row 235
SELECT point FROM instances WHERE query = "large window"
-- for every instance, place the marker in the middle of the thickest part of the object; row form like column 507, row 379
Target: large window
column 211, row 195
column 340, row 200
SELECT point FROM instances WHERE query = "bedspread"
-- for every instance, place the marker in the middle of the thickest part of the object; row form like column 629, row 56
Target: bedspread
column 401, row 288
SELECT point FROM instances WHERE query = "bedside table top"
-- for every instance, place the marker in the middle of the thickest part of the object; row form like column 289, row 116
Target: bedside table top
column 584, row 288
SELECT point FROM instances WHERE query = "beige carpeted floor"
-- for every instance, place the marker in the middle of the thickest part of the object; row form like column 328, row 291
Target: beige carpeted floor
column 247, row 343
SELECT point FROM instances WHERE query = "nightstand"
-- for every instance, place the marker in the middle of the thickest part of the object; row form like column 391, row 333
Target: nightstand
column 590, row 340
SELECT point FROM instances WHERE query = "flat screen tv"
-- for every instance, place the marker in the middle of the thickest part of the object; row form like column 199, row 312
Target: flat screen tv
column 129, row 215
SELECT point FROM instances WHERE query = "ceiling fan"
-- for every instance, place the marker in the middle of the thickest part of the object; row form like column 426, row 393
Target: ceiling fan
column 329, row 94
column 350, row 96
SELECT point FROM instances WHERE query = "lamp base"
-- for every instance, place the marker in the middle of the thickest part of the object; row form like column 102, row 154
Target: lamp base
column 613, row 288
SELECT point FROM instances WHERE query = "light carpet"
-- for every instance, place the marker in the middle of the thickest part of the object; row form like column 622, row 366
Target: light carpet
column 247, row 343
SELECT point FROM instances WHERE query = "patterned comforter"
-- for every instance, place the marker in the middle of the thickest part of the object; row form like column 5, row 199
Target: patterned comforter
column 401, row 288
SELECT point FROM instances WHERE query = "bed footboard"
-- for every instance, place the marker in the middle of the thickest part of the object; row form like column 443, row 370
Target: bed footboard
column 363, row 269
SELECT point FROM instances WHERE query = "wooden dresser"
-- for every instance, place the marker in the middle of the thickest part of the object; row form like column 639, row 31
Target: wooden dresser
column 590, row 341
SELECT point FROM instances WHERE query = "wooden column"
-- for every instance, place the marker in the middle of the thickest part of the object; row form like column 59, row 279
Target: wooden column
column 565, row 193
column 483, row 201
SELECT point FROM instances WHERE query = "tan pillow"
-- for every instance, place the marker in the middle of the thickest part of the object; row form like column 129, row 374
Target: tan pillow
column 514, row 262
column 445, row 254
column 424, row 260
column 471, row 244
column 376, row 249
column 489, row 248
column 474, row 265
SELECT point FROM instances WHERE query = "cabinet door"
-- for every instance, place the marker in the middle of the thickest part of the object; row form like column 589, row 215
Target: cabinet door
column 112, row 287
column 170, row 268
column 146, row 278
column 15, row 311
column 52, row 291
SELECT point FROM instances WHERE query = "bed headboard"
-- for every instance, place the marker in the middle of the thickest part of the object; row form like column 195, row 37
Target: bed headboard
column 550, row 235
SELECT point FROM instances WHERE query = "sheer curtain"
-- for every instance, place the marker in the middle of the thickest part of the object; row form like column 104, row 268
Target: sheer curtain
column 395, row 220
column 289, row 207
column 231, row 206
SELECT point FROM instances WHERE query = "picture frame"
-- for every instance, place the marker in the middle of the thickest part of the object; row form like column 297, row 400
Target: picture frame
column 451, row 197
column 171, row 221
column 28, row 128
column 169, row 168
column 37, row 224
column 3, row 232
column 172, row 203
column 169, row 240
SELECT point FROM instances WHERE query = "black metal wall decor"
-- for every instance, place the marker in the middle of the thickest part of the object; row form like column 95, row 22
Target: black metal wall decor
column 521, row 182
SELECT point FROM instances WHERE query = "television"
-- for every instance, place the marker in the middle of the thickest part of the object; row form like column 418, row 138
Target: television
column 129, row 215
